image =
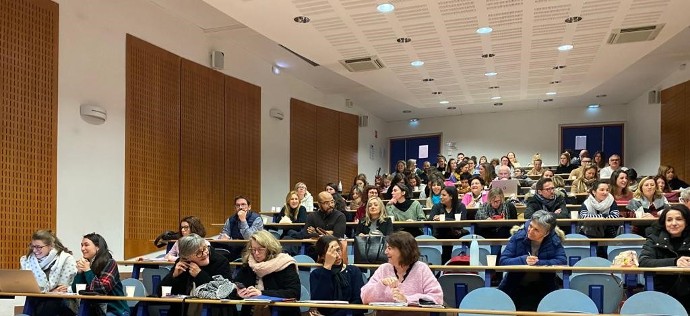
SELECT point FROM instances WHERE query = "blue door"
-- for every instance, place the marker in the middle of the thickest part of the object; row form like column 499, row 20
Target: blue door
column 409, row 148
column 605, row 138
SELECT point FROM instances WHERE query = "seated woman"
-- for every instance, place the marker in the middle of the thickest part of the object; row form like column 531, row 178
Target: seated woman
column 477, row 196
column 449, row 207
column 671, row 178
column 486, row 173
column 505, row 162
column 356, row 199
column 435, row 193
column 305, row 198
column 513, row 160
column 671, row 196
column 404, row 208
column 404, row 278
column 496, row 209
column 647, row 201
column 340, row 203
column 537, row 242
column 668, row 246
column 564, row 166
column 335, row 280
column 196, row 265
column 54, row 269
column 619, row 187
column 464, row 184
column 537, row 170
column 599, row 204
column 267, row 271
column 188, row 225
column 584, row 182
column 416, row 185
column 292, row 211
column 371, row 192
column 98, row 270
column 376, row 220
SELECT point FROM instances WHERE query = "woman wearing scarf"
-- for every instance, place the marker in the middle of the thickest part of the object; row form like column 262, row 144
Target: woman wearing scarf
column 268, row 271
column 434, row 198
column 54, row 269
column 584, row 182
column 477, row 196
column 404, row 208
column 496, row 209
column 648, row 200
column 334, row 281
column 446, row 210
column 599, row 204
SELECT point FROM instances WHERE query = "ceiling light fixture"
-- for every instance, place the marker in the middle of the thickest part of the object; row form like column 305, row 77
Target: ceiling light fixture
column 437, row 92
column 489, row 55
column 558, row 67
column 493, row 87
column 565, row 48
column 414, row 120
column 275, row 70
column 547, row 100
column 498, row 104
column 484, row 30
column 302, row 19
column 385, row 8
column 444, row 102
column 427, row 79
column 495, row 98
column 417, row 63
column 551, row 93
column 407, row 111
column 555, row 82
column 593, row 106
column 601, row 95
column 490, row 74
column 451, row 108
column 573, row 19
column 403, row 40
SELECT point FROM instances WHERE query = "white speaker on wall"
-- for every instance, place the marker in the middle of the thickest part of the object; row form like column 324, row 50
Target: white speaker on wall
column 654, row 97
column 363, row 120
column 217, row 60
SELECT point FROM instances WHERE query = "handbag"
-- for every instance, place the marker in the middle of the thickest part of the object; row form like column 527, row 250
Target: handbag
column 370, row 249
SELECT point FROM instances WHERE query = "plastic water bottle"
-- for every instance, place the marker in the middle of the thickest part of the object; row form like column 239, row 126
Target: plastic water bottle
column 474, row 251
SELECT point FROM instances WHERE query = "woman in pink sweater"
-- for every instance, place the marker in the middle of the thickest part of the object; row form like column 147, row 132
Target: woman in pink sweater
column 404, row 278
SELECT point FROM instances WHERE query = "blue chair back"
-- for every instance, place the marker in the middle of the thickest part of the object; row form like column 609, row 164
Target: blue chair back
column 304, row 272
column 304, row 296
column 576, row 253
column 567, row 301
column 484, row 250
column 653, row 303
column 487, row 298
column 152, row 279
column 604, row 289
column 139, row 290
column 430, row 253
column 456, row 286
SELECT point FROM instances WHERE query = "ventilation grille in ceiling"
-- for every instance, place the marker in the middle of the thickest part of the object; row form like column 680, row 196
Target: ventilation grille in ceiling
column 635, row 34
column 362, row 64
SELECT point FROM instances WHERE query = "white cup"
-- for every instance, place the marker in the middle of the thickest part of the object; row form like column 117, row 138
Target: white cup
column 392, row 218
column 639, row 213
column 458, row 217
column 80, row 287
column 574, row 214
column 442, row 217
column 491, row 260
column 129, row 289
column 165, row 291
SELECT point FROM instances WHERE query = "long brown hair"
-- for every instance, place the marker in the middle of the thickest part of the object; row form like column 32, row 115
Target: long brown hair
column 47, row 237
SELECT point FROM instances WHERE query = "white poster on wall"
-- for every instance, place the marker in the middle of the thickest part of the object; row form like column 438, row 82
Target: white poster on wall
column 423, row 151
column 580, row 142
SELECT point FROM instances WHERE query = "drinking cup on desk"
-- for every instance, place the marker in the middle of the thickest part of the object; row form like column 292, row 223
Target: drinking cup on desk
column 574, row 214
column 442, row 217
column 80, row 287
column 165, row 291
column 639, row 213
column 129, row 289
column 491, row 260
column 458, row 217
column 392, row 218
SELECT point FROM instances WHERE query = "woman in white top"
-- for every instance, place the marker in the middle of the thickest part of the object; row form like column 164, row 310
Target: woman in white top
column 305, row 197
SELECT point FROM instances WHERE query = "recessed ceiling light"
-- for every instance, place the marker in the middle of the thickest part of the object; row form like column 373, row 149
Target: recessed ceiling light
column 565, row 47
column 573, row 19
column 547, row 100
column 403, row 40
column 493, row 87
column 302, row 19
column 427, row 79
column 275, row 70
column 601, row 95
column 407, row 111
column 417, row 63
column 385, row 8
column 555, row 82
column 437, row 92
column 495, row 98
column 484, row 30
column 413, row 120
column 489, row 55
column 490, row 74
column 444, row 102
column 551, row 93
column 593, row 106
column 498, row 104
column 451, row 108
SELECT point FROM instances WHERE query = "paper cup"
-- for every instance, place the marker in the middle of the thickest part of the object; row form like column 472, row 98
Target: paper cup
column 491, row 260
column 392, row 218
column 165, row 291
column 639, row 213
column 442, row 217
column 129, row 289
column 574, row 214
column 458, row 217
column 80, row 287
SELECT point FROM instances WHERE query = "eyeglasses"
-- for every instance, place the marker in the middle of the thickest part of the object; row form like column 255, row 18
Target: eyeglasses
column 184, row 227
column 37, row 247
column 257, row 250
column 202, row 253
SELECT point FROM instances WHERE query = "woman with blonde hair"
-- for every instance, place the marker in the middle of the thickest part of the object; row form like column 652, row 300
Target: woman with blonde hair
column 648, row 198
column 375, row 220
column 305, row 198
column 585, row 180
column 266, row 270
column 292, row 212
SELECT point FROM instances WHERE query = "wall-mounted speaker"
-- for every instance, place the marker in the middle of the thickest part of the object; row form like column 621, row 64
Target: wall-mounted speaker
column 654, row 97
column 217, row 59
column 349, row 103
column 363, row 121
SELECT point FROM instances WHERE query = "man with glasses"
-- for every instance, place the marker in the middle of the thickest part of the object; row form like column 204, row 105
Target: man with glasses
column 240, row 226
column 546, row 199
column 326, row 220
column 585, row 162
column 614, row 164
column 576, row 161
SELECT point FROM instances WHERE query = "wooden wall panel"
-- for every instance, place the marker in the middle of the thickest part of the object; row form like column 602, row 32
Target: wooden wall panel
column 302, row 145
column 327, row 147
column 674, row 129
column 152, row 144
column 243, row 142
column 349, row 140
column 28, row 123
column 202, row 147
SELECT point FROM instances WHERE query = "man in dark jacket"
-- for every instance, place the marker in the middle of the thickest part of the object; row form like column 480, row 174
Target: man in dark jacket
column 546, row 199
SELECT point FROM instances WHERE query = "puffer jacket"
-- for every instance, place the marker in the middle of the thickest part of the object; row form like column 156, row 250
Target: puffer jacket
column 658, row 252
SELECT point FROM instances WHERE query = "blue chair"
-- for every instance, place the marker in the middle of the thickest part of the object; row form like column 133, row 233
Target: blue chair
column 305, row 296
column 484, row 250
column 652, row 303
column 152, row 279
column 456, row 286
column 567, row 301
column 139, row 290
column 304, row 272
column 487, row 298
column 430, row 254
column 576, row 252
column 615, row 250
column 603, row 288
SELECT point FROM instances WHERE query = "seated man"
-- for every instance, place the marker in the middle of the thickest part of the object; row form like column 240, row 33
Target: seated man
column 240, row 226
column 546, row 199
column 614, row 164
column 537, row 170
column 326, row 220
column 503, row 173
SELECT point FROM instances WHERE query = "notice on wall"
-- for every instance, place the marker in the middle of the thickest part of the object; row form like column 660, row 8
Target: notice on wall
column 423, row 151
column 580, row 142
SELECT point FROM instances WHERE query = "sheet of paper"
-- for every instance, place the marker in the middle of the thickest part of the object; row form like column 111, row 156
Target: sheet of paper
column 423, row 151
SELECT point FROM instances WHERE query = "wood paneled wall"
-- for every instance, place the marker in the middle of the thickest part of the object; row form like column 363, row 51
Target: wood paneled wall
column 28, row 123
column 323, row 146
column 675, row 148
column 193, row 142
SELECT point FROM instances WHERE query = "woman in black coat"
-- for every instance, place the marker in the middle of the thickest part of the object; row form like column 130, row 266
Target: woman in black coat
column 267, row 271
column 668, row 245
column 447, row 210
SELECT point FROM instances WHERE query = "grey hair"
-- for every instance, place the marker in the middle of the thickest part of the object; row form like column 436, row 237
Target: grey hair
column 544, row 219
column 685, row 195
column 190, row 244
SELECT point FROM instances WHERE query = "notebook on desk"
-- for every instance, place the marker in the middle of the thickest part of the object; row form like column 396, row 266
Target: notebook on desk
column 509, row 187
column 18, row 281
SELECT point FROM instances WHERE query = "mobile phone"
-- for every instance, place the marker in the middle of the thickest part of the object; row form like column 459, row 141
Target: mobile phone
column 239, row 285
column 85, row 292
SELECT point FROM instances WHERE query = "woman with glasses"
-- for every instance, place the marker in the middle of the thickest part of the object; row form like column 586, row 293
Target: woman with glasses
column 54, row 269
column 188, row 225
column 266, row 270
column 197, row 265
column 98, row 270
